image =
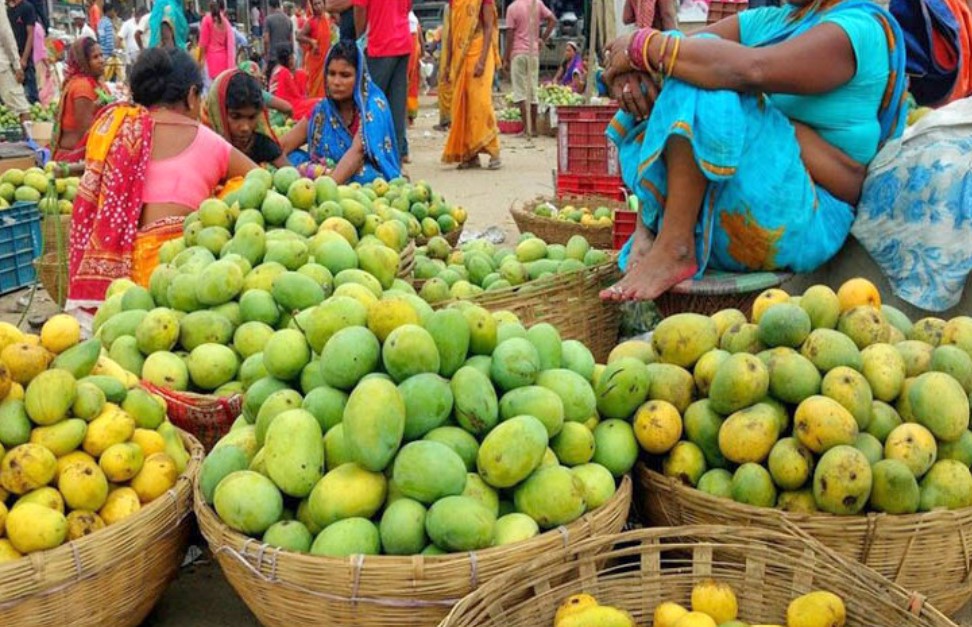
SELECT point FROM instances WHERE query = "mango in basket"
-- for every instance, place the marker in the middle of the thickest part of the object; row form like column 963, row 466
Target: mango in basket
column 715, row 599
column 816, row 609
column 32, row 527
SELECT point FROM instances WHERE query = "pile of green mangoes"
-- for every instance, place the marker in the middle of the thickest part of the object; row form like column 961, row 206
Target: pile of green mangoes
column 32, row 185
column 480, row 266
column 395, row 430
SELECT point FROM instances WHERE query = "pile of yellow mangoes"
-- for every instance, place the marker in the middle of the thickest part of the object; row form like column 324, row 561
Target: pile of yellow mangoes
column 81, row 445
column 713, row 604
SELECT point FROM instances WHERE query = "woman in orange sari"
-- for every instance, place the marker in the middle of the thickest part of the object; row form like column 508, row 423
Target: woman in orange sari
column 315, row 39
column 414, row 67
column 82, row 97
column 474, row 51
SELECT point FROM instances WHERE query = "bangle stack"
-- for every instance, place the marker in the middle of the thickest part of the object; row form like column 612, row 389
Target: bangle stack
column 640, row 53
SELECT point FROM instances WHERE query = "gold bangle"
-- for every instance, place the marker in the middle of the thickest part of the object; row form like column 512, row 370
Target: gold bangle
column 644, row 50
column 661, row 55
column 671, row 66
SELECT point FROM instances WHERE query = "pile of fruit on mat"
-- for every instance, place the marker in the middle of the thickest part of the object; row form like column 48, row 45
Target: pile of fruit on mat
column 81, row 446
column 713, row 604
column 823, row 401
column 480, row 266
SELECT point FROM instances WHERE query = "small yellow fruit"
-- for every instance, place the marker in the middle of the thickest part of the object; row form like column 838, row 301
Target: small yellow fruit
column 32, row 527
column 46, row 496
column 7, row 551
column 766, row 300
column 817, row 609
column 71, row 458
column 84, row 486
column 715, row 599
column 667, row 614
column 25, row 361
column 16, row 392
column 112, row 426
column 60, row 333
column 27, row 467
column 572, row 605
column 158, row 474
column 150, row 441
column 121, row 462
column 657, row 426
column 32, row 339
column 82, row 523
column 120, row 504
column 695, row 619
column 9, row 334
column 857, row 292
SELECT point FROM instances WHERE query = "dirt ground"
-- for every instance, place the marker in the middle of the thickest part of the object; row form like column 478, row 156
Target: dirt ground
column 201, row 596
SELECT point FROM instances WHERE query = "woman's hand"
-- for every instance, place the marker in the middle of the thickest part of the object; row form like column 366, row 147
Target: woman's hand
column 480, row 68
column 636, row 93
column 617, row 55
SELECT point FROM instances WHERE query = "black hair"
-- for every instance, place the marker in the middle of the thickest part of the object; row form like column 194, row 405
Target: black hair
column 283, row 55
column 163, row 76
column 274, row 4
column 345, row 50
column 243, row 91
column 108, row 8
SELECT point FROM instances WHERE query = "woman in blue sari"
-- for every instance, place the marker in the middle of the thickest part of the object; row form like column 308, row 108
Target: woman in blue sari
column 352, row 127
column 748, row 145
column 167, row 25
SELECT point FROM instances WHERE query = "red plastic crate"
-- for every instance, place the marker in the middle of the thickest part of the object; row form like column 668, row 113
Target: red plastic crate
column 589, row 185
column 582, row 146
column 625, row 223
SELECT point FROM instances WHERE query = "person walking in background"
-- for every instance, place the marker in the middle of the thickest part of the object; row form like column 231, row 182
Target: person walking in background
column 81, row 27
column 523, row 41
column 473, row 53
column 106, row 31
column 22, row 19
column 414, row 67
column 217, row 41
column 95, row 12
column 288, row 9
column 278, row 31
column 661, row 14
column 444, row 87
column 167, row 25
column 389, row 48
column 12, row 74
column 256, row 21
column 315, row 39
column 128, row 35
column 345, row 11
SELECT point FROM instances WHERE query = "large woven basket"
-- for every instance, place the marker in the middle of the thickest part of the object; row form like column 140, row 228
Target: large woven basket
column 406, row 260
column 112, row 577
column 51, row 239
column 640, row 569
column 52, row 272
column 206, row 416
column 929, row 553
column 284, row 588
column 555, row 231
column 570, row 302
column 718, row 290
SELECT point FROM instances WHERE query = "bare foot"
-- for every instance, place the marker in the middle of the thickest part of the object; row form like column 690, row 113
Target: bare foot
column 661, row 269
column 643, row 241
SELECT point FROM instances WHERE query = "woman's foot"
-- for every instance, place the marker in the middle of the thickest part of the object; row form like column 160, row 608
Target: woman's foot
column 472, row 164
column 494, row 163
column 650, row 276
column 641, row 245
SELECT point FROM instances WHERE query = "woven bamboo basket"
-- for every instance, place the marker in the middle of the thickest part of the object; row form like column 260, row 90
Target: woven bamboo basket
column 52, row 272
column 406, row 260
column 555, row 231
column 640, row 569
column 285, row 589
column 570, row 302
column 930, row 553
column 717, row 291
column 451, row 237
column 50, row 224
column 112, row 577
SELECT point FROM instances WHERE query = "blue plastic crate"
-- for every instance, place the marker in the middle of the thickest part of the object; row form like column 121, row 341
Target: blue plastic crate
column 20, row 244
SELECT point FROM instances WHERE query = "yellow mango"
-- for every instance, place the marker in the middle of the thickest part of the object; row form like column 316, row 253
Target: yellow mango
column 120, row 504
column 112, row 426
column 84, row 486
column 33, row 527
column 158, row 474
column 121, row 462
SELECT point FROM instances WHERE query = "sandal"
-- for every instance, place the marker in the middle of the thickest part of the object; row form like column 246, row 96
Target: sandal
column 494, row 164
column 472, row 164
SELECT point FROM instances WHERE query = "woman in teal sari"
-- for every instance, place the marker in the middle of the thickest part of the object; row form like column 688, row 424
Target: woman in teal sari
column 352, row 126
column 167, row 25
column 748, row 145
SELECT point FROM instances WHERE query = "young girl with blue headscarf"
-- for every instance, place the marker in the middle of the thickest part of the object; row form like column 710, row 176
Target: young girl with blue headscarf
column 352, row 126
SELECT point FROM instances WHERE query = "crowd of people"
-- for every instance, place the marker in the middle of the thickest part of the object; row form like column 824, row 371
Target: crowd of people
column 700, row 117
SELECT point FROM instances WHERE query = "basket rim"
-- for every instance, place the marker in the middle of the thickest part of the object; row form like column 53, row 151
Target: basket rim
column 203, row 510
column 520, row 213
column 796, row 518
column 32, row 564
column 912, row 601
